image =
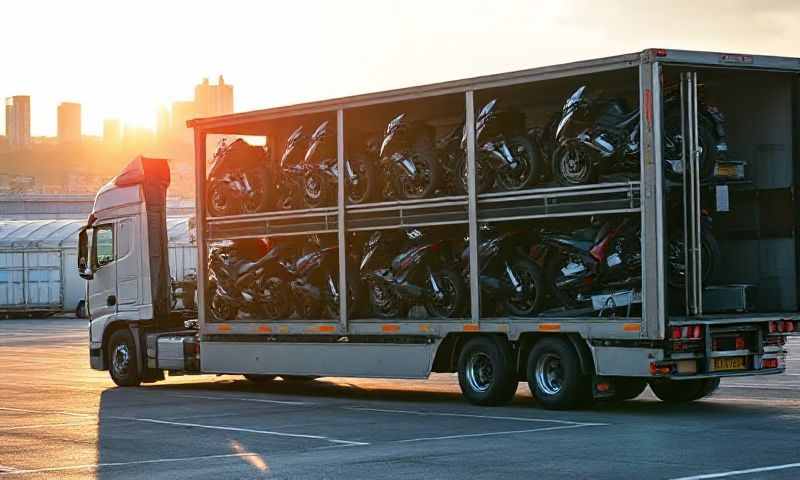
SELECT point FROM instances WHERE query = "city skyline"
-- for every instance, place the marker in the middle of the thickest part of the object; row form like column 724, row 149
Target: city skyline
column 367, row 47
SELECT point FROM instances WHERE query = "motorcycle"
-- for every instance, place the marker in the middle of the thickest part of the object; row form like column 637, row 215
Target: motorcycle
column 418, row 275
column 504, row 154
column 315, row 283
column 508, row 276
column 293, row 172
column 237, row 180
column 407, row 157
column 603, row 261
column 321, row 180
column 248, row 277
column 603, row 135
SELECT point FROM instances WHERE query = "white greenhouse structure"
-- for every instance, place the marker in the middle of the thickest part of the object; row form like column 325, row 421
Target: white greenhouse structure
column 38, row 263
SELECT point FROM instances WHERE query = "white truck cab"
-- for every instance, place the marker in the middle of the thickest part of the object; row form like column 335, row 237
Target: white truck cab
column 123, row 257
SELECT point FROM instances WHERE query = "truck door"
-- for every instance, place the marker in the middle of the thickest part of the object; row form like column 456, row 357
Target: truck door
column 103, row 286
column 128, row 264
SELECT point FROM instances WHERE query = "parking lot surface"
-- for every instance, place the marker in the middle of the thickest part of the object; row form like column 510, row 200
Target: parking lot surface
column 59, row 419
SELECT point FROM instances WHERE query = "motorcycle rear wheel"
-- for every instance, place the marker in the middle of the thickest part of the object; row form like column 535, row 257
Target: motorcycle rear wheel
column 222, row 309
column 429, row 172
column 706, row 137
column 279, row 307
column 573, row 165
column 315, row 190
column 531, row 277
column 528, row 169
column 384, row 301
column 484, row 176
column 452, row 285
column 710, row 257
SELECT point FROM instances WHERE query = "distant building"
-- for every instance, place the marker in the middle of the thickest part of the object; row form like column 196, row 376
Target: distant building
column 18, row 121
column 213, row 100
column 112, row 133
column 181, row 112
column 69, row 122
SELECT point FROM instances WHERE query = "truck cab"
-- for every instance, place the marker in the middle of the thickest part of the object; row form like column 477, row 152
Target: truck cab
column 122, row 253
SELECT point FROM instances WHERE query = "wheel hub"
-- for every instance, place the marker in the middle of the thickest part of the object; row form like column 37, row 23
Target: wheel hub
column 549, row 374
column 120, row 359
column 479, row 372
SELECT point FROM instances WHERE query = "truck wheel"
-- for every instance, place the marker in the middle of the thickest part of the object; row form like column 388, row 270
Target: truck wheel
column 627, row 389
column 486, row 371
column 683, row 391
column 260, row 379
column 122, row 359
column 554, row 375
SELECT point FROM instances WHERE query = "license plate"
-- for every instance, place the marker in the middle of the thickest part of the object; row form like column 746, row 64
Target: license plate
column 729, row 363
column 727, row 171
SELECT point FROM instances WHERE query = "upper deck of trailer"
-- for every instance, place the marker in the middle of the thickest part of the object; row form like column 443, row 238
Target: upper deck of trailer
column 255, row 122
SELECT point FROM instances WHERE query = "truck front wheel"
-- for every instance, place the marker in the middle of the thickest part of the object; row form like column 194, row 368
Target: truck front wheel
column 486, row 372
column 683, row 391
column 122, row 356
column 554, row 375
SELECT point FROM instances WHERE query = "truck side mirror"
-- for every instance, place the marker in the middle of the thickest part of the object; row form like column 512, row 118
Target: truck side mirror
column 83, row 255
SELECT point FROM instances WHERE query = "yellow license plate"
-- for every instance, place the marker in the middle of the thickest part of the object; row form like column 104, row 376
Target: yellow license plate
column 726, row 170
column 730, row 363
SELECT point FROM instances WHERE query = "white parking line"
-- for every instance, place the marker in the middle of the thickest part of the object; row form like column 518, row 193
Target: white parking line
column 760, row 386
column 241, row 399
column 488, row 434
column 740, row 472
column 14, row 471
column 243, row 430
column 467, row 415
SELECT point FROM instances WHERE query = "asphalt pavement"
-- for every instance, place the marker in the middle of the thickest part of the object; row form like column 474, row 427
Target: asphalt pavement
column 59, row 419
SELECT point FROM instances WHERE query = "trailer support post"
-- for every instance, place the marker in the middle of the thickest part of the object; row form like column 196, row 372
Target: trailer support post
column 472, row 206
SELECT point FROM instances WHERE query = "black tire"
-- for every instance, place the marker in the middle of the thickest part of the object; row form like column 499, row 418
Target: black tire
column 529, row 170
column 455, row 294
column 316, row 189
column 355, row 298
column 364, row 192
column 260, row 379
column 486, row 371
column 222, row 309
column 484, row 176
column 554, row 375
column 627, row 388
column 424, row 157
column 258, row 202
column 683, row 391
column 710, row 255
column 80, row 310
column 384, row 301
column 123, row 364
column 533, row 280
column 573, row 164
column 218, row 201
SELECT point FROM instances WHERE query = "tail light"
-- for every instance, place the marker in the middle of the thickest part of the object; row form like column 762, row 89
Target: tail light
column 740, row 343
column 676, row 333
column 773, row 327
column 788, row 326
column 769, row 363
column 691, row 332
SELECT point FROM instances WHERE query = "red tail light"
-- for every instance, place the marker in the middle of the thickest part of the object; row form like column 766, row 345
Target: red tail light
column 740, row 343
column 788, row 326
column 435, row 247
column 697, row 331
column 773, row 327
column 676, row 332
column 769, row 363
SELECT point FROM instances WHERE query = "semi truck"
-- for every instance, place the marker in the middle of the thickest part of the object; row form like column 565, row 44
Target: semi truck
column 696, row 311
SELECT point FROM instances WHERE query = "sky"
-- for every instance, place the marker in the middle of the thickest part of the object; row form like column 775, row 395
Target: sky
column 125, row 58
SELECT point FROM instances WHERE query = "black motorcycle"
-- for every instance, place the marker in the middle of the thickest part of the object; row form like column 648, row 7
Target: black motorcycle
column 602, row 135
column 237, row 180
column 508, row 276
column 293, row 171
column 602, row 260
column 408, row 160
column 504, row 154
column 241, row 281
column 321, row 179
column 419, row 275
column 315, row 283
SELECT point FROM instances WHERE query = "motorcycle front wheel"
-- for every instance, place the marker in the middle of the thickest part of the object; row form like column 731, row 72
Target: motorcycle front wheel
column 257, row 201
column 384, row 301
column 673, row 148
column 219, row 202
column 222, row 309
column 354, row 300
column 279, row 305
column 528, row 165
column 573, row 165
column 530, row 276
column 362, row 190
column 315, row 190
column 453, row 296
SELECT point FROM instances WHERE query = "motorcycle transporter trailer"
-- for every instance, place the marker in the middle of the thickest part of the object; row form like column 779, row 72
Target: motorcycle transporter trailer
column 681, row 343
